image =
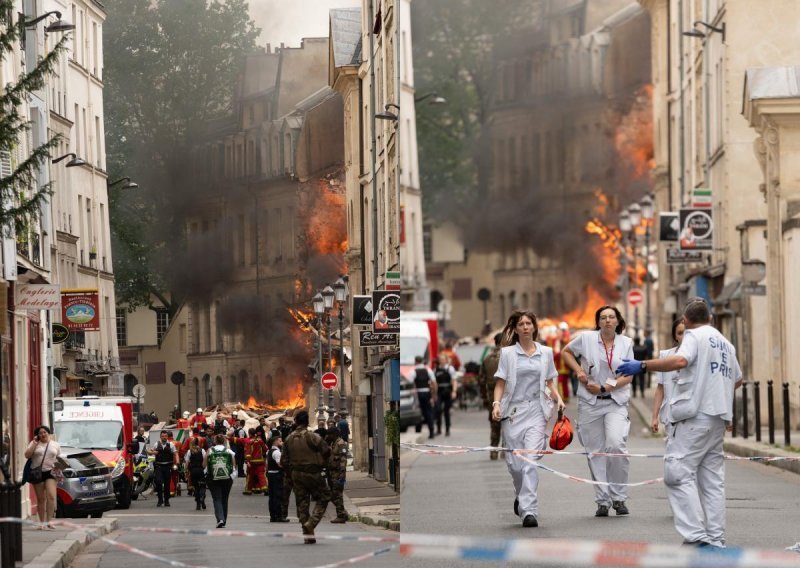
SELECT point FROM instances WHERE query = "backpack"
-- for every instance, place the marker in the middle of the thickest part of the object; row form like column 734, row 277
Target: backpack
column 220, row 465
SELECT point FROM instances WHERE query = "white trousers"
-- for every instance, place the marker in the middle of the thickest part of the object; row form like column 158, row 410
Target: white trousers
column 525, row 429
column 694, row 473
column 604, row 427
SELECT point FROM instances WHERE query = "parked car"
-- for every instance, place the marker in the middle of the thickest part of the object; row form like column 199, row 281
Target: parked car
column 410, row 413
column 87, row 488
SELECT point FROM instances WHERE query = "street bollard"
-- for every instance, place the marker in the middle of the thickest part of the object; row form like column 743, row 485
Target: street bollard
column 745, row 432
column 770, row 412
column 757, row 402
column 10, row 533
column 787, row 438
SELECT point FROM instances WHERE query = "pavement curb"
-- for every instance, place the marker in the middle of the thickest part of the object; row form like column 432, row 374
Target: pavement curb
column 62, row 552
column 388, row 525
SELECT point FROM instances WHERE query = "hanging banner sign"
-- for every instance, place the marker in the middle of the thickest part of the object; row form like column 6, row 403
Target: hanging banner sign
column 669, row 226
column 362, row 310
column 368, row 338
column 678, row 256
column 385, row 311
column 697, row 229
column 80, row 309
column 60, row 333
column 37, row 296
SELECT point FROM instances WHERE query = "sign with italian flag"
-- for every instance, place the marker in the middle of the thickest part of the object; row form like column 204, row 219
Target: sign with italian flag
column 392, row 281
column 701, row 198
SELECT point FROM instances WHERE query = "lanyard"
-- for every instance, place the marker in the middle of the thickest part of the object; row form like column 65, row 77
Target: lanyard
column 609, row 355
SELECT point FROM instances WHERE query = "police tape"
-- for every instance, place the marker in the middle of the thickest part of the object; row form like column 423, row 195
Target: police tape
column 226, row 532
column 93, row 535
column 560, row 552
column 458, row 450
column 583, row 479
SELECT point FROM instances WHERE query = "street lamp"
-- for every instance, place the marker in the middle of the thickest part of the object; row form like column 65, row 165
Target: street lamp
column 635, row 214
column 387, row 114
column 341, row 290
column 328, row 296
column 625, row 227
column 75, row 161
column 435, row 99
column 647, row 215
column 128, row 183
column 319, row 309
column 58, row 26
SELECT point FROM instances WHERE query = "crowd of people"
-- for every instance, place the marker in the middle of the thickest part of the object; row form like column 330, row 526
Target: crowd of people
column 275, row 458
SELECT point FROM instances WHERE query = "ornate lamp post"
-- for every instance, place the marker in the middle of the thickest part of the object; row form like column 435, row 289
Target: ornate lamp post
column 635, row 213
column 342, row 292
column 647, row 216
column 319, row 309
column 625, row 227
column 328, row 296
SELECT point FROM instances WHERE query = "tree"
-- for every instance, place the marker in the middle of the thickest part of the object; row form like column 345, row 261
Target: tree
column 170, row 67
column 454, row 57
column 21, row 196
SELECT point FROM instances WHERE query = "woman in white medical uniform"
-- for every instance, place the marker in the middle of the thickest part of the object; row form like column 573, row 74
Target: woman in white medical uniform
column 603, row 423
column 524, row 400
column 664, row 379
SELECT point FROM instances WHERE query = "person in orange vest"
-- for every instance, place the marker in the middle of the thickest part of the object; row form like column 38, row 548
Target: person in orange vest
column 255, row 453
column 184, row 421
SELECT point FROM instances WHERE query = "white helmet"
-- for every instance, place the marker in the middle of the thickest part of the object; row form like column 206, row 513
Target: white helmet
column 199, row 410
column 563, row 326
column 186, row 414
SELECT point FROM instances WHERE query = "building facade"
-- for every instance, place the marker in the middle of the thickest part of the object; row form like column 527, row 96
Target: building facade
column 364, row 69
column 66, row 246
column 702, row 140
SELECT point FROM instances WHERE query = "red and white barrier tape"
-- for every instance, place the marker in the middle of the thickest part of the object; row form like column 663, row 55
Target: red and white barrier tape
column 583, row 479
column 557, row 552
column 456, row 450
column 210, row 532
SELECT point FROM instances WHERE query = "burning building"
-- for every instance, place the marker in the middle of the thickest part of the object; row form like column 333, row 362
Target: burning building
column 570, row 138
column 266, row 230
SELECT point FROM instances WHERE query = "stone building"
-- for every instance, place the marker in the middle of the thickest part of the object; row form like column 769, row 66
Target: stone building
column 558, row 90
column 365, row 71
column 706, row 73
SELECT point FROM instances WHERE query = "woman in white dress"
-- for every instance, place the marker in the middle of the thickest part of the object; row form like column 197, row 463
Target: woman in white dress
column 524, row 400
column 665, row 380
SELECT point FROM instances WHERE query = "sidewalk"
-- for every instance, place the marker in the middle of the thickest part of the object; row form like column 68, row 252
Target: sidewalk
column 737, row 446
column 57, row 548
column 372, row 502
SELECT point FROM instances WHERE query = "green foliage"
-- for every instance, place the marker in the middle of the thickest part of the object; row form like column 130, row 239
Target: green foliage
column 20, row 196
column 453, row 56
column 170, row 67
column 391, row 422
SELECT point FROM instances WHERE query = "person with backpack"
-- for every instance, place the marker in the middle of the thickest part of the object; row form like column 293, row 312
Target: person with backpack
column 425, row 383
column 220, row 472
column 445, row 391
column 195, row 458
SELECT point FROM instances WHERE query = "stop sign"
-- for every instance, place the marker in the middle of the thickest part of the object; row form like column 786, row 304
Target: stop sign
column 635, row 297
column 330, row 380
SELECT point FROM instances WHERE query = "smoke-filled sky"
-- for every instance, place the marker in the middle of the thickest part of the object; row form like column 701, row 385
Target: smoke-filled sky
column 289, row 21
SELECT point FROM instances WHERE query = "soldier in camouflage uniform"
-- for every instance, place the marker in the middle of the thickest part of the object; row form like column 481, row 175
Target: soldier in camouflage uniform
column 306, row 453
column 337, row 471
column 486, row 380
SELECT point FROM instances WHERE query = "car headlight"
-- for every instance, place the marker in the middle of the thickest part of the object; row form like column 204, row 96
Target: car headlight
column 119, row 468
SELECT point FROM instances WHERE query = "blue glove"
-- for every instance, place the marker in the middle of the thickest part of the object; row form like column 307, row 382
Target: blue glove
column 629, row 368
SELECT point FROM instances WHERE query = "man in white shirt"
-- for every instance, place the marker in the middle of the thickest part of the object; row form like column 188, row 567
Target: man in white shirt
column 701, row 407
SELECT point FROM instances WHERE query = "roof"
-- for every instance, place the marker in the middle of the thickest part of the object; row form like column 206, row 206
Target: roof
column 315, row 99
column 772, row 82
column 346, row 36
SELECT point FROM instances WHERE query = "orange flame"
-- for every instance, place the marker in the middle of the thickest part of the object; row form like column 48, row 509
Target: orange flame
column 296, row 398
column 251, row 402
column 633, row 138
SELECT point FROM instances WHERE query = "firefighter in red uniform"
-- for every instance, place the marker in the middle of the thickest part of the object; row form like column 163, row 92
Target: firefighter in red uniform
column 183, row 422
column 255, row 454
column 198, row 420
column 176, row 475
